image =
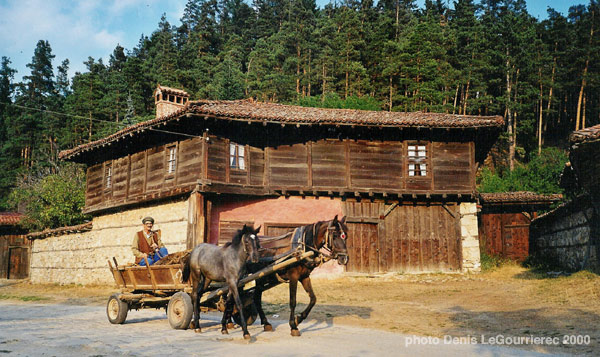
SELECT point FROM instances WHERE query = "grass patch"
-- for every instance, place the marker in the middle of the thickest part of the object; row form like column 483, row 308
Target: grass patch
column 491, row 262
column 22, row 298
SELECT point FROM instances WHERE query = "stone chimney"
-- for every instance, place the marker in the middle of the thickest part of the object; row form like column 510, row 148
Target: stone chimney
column 169, row 100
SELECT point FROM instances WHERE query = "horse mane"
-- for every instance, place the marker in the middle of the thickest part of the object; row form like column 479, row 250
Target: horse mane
column 309, row 237
column 238, row 236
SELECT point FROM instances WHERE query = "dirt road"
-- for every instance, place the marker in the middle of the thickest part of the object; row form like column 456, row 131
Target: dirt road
column 371, row 314
column 28, row 329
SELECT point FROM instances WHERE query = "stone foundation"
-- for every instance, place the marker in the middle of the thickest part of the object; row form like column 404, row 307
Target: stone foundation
column 82, row 258
column 469, row 234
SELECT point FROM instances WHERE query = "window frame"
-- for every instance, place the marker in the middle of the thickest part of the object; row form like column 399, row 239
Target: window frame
column 107, row 177
column 237, row 156
column 168, row 150
column 418, row 159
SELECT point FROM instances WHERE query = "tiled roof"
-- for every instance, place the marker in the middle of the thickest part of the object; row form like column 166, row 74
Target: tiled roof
column 519, row 197
column 279, row 113
column 585, row 135
column 249, row 111
column 62, row 230
column 10, row 218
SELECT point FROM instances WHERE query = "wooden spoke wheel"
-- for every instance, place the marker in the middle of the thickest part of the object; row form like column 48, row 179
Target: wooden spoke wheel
column 116, row 309
column 179, row 311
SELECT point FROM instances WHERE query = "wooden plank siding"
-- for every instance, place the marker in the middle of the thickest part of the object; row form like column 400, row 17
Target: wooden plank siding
column 452, row 166
column 327, row 165
column 376, row 165
column 288, row 166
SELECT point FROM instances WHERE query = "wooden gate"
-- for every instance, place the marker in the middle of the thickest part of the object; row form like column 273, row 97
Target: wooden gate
column 403, row 237
column 14, row 256
column 506, row 234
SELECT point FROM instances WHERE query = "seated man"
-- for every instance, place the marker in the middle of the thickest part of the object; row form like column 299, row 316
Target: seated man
column 147, row 244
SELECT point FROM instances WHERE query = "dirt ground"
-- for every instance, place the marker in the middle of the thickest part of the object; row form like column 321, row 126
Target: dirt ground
column 509, row 301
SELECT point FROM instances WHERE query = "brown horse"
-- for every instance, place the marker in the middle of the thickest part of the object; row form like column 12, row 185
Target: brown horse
column 208, row 262
column 330, row 235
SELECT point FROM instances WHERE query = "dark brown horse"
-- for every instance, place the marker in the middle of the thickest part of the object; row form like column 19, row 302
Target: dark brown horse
column 208, row 262
column 330, row 235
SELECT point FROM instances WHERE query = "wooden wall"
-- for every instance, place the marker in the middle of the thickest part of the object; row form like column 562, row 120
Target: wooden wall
column 14, row 255
column 324, row 165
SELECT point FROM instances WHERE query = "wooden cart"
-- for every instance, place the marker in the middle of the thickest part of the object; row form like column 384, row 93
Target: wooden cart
column 160, row 286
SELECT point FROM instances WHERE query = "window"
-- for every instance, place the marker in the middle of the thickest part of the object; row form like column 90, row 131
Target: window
column 417, row 160
column 236, row 157
column 172, row 160
column 108, row 176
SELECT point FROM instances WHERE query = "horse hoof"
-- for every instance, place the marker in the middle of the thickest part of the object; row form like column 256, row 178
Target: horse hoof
column 224, row 332
column 247, row 336
column 269, row 327
column 296, row 333
column 230, row 325
column 198, row 330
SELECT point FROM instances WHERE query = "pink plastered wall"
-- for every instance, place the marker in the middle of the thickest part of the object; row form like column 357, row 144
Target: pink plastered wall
column 276, row 210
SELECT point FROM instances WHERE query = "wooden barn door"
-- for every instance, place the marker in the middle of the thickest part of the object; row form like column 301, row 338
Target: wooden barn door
column 421, row 237
column 363, row 248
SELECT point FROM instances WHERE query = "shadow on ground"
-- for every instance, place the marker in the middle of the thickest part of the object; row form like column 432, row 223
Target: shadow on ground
column 543, row 322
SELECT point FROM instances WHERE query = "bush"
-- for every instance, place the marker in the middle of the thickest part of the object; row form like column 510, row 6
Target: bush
column 491, row 262
column 52, row 200
column 540, row 175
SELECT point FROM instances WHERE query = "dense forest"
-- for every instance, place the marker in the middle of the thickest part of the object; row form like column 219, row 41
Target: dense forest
column 484, row 58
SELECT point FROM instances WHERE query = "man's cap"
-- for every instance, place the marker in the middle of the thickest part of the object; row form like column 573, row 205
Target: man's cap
column 148, row 219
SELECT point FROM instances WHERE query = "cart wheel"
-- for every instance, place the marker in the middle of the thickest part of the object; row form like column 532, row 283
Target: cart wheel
column 179, row 311
column 250, row 314
column 116, row 309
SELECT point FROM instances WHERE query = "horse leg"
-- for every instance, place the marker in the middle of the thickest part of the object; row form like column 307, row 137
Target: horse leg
column 226, row 319
column 233, row 289
column 199, row 290
column 293, row 288
column 307, row 285
column 257, row 298
column 196, row 299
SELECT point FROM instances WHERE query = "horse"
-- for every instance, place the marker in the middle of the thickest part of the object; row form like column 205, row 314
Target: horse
column 330, row 235
column 209, row 262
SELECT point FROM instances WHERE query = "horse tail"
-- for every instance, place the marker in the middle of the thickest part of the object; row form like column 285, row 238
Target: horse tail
column 185, row 275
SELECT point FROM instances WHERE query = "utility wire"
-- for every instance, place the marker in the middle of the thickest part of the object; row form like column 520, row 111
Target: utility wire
column 99, row 120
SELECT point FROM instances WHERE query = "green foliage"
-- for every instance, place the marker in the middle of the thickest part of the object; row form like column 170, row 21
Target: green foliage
column 492, row 262
column 333, row 100
column 52, row 200
column 540, row 175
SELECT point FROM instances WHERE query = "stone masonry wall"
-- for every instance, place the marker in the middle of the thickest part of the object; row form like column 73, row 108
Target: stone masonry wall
column 567, row 236
column 82, row 258
column 469, row 234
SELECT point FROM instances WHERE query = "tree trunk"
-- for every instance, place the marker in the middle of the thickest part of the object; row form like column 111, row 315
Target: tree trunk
column 391, row 93
column 455, row 99
column 583, row 77
column 583, row 114
column 509, row 118
column 464, row 111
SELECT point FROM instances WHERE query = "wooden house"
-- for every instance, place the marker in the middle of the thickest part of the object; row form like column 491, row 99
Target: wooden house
column 405, row 181
column 504, row 221
column 14, row 247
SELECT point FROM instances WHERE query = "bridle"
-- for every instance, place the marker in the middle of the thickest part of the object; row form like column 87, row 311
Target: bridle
column 328, row 241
